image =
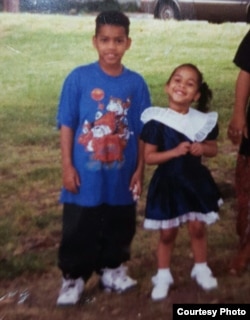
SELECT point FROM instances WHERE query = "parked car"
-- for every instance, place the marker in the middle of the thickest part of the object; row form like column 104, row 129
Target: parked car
column 44, row 6
column 211, row 10
column 75, row 6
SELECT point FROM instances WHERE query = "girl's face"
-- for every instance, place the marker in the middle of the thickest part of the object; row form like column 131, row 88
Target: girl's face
column 182, row 89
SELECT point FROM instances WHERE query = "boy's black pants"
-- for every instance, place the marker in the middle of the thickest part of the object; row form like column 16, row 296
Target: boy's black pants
column 94, row 238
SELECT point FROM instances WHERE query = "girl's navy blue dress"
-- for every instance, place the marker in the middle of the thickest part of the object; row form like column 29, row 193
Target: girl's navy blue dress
column 182, row 188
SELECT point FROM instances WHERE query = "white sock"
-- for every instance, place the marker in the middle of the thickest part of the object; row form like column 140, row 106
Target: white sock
column 200, row 265
column 164, row 273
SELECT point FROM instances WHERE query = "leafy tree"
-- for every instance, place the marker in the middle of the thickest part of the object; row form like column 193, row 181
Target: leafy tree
column 11, row 5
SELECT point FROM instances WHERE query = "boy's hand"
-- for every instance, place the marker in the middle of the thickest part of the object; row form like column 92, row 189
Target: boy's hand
column 235, row 130
column 71, row 181
column 136, row 185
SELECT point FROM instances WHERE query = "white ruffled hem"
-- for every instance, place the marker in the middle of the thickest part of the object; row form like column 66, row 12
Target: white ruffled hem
column 208, row 219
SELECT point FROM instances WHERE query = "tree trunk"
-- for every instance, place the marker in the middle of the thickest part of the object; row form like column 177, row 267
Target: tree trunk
column 11, row 5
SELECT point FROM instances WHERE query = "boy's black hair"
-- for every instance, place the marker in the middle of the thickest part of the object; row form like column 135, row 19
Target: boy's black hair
column 112, row 17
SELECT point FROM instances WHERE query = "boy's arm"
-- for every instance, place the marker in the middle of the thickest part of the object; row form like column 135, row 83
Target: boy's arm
column 71, row 180
column 237, row 123
column 136, row 182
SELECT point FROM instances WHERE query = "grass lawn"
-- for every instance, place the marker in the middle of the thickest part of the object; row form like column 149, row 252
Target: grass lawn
column 37, row 52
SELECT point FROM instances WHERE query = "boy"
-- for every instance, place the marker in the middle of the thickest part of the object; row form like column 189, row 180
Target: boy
column 238, row 133
column 102, row 163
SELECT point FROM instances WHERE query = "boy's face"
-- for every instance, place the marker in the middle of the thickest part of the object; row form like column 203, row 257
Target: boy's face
column 111, row 42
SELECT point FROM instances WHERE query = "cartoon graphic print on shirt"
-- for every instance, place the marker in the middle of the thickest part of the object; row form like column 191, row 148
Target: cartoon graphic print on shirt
column 106, row 137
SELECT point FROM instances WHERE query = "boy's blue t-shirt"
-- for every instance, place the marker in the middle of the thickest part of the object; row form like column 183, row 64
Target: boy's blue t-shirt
column 104, row 113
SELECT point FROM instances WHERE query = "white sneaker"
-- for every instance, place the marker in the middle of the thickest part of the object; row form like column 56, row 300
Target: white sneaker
column 204, row 277
column 117, row 280
column 161, row 286
column 70, row 292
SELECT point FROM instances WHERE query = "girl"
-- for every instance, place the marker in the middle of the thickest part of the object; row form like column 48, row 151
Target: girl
column 181, row 189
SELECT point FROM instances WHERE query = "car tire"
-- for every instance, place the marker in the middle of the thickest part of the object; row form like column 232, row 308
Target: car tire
column 167, row 11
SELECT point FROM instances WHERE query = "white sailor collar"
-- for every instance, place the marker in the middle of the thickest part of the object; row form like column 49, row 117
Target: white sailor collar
column 195, row 125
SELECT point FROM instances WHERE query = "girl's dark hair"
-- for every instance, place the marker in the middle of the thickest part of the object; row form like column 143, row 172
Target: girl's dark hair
column 112, row 17
column 206, row 93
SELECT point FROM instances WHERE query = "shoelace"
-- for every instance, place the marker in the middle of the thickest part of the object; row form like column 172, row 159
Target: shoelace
column 69, row 284
column 120, row 272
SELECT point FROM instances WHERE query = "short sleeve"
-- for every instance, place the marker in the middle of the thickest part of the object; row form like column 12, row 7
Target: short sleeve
column 213, row 134
column 242, row 55
column 151, row 132
column 141, row 101
column 68, row 108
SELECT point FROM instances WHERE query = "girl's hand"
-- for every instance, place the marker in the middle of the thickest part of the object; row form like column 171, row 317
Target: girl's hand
column 196, row 149
column 71, row 181
column 206, row 148
column 182, row 149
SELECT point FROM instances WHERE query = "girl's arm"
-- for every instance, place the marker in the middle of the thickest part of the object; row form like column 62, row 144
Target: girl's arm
column 207, row 148
column 71, row 180
column 152, row 156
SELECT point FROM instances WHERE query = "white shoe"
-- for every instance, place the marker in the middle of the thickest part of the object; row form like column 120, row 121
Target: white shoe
column 161, row 286
column 204, row 277
column 117, row 280
column 70, row 292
